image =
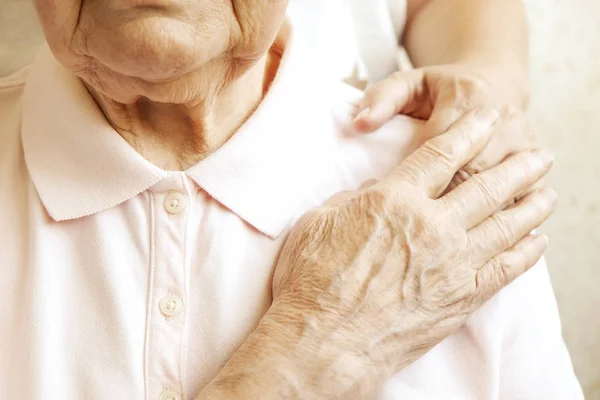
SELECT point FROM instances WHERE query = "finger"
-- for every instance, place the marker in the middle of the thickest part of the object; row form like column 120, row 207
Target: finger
column 452, row 101
column 511, row 135
column 445, row 113
column 539, row 185
column 508, row 266
column 432, row 166
column 483, row 194
column 401, row 92
column 505, row 228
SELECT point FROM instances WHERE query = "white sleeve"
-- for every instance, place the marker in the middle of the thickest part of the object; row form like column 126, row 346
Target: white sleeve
column 398, row 11
column 535, row 363
column 377, row 26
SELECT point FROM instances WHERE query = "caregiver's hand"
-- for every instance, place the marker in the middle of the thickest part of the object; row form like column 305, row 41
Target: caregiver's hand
column 365, row 287
column 441, row 95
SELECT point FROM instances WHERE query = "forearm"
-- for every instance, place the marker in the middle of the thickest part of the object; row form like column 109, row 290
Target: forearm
column 286, row 357
column 255, row 371
column 489, row 34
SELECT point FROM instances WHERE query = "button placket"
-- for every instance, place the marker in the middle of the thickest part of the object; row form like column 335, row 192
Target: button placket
column 167, row 322
column 169, row 395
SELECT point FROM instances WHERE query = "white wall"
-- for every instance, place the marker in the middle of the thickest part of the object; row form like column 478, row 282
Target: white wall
column 565, row 109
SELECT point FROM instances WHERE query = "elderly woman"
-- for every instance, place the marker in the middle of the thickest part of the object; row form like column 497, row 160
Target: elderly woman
column 152, row 163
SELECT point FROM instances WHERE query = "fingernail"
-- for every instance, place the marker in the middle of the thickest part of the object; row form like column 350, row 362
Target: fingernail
column 487, row 114
column 544, row 238
column 364, row 113
column 541, row 158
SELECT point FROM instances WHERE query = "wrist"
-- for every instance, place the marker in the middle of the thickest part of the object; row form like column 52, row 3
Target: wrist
column 295, row 354
column 340, row 355
column 508, row 76
column 263, row 367
column 316, row 353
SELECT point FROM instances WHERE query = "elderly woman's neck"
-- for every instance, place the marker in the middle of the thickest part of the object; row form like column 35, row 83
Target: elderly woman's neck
column 177, row 136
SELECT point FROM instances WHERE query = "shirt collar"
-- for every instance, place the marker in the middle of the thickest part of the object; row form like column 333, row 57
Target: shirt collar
column 80, row 165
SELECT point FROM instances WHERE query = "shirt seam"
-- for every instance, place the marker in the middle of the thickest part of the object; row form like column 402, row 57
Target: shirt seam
column 186, row 292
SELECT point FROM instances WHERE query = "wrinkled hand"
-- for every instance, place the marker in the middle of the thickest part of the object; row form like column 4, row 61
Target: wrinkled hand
column 441, row 95
column 395, row 269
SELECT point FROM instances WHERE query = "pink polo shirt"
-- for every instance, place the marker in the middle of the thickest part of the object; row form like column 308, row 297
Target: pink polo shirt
column 119, row 280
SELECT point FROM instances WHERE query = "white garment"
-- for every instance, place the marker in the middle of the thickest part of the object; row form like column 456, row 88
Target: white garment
column 354, row 37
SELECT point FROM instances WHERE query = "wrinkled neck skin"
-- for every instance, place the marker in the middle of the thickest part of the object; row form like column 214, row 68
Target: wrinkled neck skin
column 177, row 136
column 176, row 78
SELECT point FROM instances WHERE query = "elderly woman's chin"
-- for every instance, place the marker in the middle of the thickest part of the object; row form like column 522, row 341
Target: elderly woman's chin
column 161, row 50
column 148, row 58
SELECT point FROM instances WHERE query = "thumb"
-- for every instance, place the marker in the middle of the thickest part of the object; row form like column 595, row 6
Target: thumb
column 446, row 111
column 398, row 93
column 449, row 105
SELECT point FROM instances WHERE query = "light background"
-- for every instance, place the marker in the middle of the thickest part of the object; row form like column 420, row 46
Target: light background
column 565, row 108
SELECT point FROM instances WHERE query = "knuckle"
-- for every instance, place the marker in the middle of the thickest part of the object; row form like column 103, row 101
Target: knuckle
column 495, row 274
column 488, row 188
column 503, row 229
column 385, row 200
column 505, row 263
column 442, row 149
column 497, row 263
column 378, row 197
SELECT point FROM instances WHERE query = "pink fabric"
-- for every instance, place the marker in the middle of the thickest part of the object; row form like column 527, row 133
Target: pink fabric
column 123, row 281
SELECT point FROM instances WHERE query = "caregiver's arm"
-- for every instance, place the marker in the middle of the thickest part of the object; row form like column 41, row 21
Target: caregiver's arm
column 487, row 35
column 357, row 294
column 467, row 54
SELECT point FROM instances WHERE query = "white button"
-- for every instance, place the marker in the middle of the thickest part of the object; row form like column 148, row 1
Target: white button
column 175, row 203
column 169, row 395
column 171, row 305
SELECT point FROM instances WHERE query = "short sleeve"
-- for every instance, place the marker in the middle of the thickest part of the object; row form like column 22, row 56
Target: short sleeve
column 398, row 11
column 378, row 25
